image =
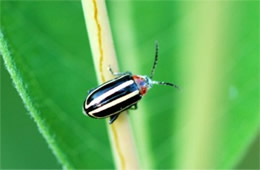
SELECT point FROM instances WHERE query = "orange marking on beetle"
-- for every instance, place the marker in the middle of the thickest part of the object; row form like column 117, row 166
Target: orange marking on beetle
column 139, row 81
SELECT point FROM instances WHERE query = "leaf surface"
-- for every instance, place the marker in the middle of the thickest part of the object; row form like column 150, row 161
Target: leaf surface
column 209, row 49
column 50, row 63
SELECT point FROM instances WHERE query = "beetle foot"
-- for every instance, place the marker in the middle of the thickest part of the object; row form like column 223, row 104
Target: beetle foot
column 134, row 107
column 113, row 118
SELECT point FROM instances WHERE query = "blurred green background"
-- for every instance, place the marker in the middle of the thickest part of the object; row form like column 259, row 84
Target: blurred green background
column 210, row 49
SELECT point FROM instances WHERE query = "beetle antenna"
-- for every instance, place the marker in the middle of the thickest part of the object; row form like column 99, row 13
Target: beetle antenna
column 155, row 59
column 166, row 84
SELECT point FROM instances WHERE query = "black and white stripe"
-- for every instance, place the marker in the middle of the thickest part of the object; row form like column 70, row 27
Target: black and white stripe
column 112, row 97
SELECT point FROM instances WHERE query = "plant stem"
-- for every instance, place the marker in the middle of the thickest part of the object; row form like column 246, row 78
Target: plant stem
column 202, row 116
column 103, row 52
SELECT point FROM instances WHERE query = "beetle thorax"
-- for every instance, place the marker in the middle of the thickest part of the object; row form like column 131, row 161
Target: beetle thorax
column 144, row 83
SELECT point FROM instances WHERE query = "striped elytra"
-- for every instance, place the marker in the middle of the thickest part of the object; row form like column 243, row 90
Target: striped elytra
column 112, row 97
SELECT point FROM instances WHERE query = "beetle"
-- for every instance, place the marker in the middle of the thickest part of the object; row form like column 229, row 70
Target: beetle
column 119, row 94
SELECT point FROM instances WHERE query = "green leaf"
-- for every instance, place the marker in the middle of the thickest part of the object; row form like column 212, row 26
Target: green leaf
column 50, row 64
column 210, row 49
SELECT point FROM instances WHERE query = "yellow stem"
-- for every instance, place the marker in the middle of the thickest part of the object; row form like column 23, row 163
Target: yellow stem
column 103, row 53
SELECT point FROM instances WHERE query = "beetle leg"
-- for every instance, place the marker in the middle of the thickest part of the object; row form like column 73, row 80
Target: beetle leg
column 134, row 107
column 113, row 118
column 116, row 73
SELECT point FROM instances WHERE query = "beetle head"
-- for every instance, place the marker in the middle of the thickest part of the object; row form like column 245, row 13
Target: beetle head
column 143, row 82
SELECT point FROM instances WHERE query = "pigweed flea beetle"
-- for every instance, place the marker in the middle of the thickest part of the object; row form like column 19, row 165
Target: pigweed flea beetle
column 119, row 94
